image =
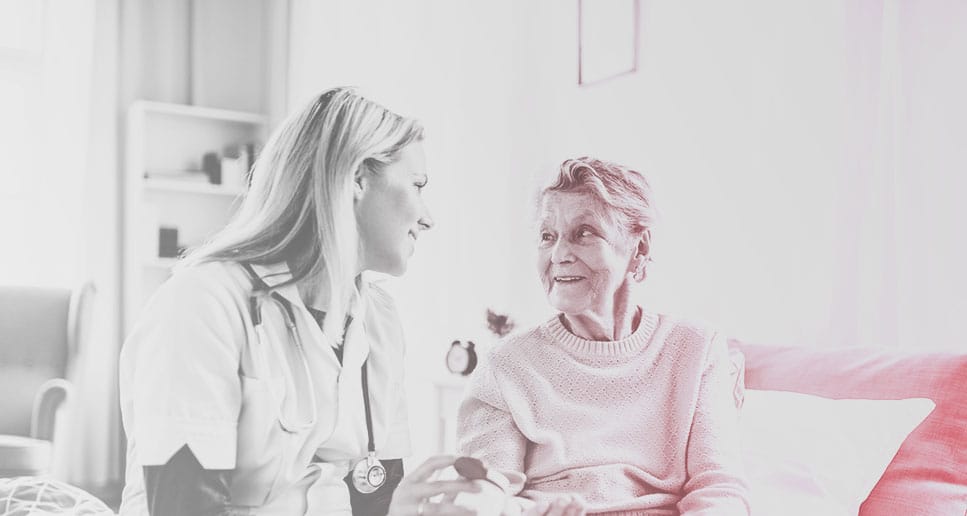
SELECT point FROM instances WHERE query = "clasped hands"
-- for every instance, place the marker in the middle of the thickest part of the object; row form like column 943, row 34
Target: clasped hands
column 421, row 494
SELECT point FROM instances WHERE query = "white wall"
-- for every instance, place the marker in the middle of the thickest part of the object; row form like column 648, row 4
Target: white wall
column 737, row 115
column 761, row 124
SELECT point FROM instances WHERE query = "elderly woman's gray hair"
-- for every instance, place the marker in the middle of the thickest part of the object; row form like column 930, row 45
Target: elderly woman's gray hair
column 623, row 193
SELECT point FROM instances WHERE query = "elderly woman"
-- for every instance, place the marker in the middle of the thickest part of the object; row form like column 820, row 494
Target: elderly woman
column 621, row 409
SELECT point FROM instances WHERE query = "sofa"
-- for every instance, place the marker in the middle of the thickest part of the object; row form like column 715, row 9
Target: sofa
column 928, row 474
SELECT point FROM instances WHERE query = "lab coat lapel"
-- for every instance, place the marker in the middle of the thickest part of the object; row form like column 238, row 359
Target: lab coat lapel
column 318, row 353
column 356, row 342
column 276, row 274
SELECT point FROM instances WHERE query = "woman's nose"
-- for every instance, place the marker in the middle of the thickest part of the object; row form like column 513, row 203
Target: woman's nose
column 561, row 252
column 426, row 221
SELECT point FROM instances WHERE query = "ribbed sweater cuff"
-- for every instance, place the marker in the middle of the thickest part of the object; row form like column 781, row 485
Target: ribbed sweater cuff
column 629, row 345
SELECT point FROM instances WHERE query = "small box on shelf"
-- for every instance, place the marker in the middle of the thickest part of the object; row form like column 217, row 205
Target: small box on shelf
column 213, row 167
column 234, row 173
column 168, row 242
column 237, row 163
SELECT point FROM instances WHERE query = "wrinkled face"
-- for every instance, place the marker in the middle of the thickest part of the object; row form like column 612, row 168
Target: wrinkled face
column 390, row 213
column 583, row 256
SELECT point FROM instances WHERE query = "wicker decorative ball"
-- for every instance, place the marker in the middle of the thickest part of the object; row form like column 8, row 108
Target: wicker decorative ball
column 44, row 496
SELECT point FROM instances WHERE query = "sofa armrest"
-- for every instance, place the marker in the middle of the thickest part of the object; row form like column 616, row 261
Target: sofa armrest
column 51, row 395
column 79, row 317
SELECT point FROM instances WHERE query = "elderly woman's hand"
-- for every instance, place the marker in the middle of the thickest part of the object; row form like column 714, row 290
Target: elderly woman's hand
column 412, row 496
column 563, row 505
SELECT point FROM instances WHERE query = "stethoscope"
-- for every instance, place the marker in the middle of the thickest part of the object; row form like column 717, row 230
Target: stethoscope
column 368, row 474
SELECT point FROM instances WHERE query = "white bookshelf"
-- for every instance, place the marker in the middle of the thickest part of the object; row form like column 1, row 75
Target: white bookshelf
column 200, row 113
column 165, row 144
column 183, row 186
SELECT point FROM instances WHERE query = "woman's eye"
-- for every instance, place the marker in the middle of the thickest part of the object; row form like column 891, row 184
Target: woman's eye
column 584, row 233
column 546, row 237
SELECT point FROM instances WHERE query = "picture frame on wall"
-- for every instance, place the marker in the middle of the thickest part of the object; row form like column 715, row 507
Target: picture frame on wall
column 608, row 38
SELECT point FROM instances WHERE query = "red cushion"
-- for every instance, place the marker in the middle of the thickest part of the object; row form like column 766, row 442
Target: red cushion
column 928, row 476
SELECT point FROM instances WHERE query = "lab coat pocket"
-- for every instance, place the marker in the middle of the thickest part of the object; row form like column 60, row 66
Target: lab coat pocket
column 264, row 450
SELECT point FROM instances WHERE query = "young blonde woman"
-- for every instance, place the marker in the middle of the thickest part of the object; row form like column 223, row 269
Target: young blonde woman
column 265, row 376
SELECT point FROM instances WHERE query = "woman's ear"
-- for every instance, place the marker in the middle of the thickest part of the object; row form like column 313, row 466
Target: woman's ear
column 359, row 186
column 644, row 244
column 642, row 256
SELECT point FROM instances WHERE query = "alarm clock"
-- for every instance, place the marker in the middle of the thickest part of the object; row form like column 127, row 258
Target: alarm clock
column 461, row 358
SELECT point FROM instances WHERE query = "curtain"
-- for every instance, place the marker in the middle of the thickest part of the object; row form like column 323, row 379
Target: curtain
column 93, row 460
column 45, row 103
column 901, row 277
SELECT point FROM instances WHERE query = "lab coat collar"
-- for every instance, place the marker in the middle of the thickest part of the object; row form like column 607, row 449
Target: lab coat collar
column 276, row 274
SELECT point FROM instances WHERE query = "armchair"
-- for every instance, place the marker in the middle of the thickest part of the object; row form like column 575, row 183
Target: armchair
column 41, row 330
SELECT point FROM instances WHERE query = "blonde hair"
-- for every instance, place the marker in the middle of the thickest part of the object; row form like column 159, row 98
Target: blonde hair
column 299, row 207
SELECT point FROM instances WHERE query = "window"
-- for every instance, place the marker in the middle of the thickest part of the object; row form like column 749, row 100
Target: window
column 45, row 66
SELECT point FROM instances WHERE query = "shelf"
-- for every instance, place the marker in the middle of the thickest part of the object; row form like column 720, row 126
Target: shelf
column 161, row 263
column 188, row 186
column 225, row 115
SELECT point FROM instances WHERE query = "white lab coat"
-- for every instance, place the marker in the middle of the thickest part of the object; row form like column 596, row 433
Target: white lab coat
column 189, row 374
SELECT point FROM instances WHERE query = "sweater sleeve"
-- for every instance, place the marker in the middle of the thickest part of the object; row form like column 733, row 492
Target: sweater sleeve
column 485, row 426
column 715, row 484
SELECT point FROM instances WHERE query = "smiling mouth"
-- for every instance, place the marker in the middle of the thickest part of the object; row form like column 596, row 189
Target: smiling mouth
column 567, row 279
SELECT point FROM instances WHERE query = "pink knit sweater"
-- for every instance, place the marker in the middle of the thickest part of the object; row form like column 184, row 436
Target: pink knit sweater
column 643, row 425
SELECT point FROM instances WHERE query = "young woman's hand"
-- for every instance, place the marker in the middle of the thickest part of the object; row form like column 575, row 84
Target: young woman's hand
column 562, row 505
column 412, row 496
